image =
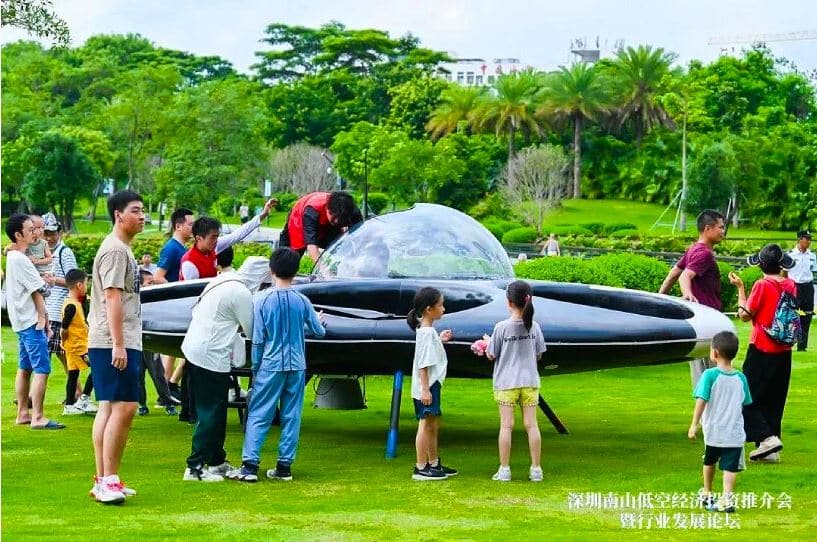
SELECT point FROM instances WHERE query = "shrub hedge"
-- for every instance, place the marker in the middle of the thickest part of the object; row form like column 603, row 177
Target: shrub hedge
column 525, row 234
column 499, row 226
column 633, row 271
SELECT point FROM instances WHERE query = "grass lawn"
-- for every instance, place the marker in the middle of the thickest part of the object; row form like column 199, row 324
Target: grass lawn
column 643, row 215
column 628, row 435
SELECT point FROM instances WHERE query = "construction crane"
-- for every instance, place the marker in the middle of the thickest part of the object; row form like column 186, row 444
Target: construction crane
column 755, row 38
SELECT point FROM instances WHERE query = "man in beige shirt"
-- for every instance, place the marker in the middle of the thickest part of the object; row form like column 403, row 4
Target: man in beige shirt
column 115, row 343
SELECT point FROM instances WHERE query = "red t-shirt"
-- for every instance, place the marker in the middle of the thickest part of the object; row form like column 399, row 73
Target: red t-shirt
column 706, row 286
column 762, row 303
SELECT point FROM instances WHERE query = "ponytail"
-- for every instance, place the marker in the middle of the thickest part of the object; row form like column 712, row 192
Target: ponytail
column 412, row 320
column 425, row 297
column 520, row 295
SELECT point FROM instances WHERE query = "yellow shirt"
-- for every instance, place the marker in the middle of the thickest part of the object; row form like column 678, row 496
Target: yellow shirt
column 77, row 340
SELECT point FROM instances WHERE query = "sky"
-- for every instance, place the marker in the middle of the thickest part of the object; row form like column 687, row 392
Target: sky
column 539, row 33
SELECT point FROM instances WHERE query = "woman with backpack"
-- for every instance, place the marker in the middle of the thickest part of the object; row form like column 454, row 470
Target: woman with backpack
column 775, row 328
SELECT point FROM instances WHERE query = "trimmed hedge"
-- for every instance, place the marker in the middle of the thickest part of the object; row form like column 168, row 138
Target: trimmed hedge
column 634, row 241
column 525, row 234
column 633, row 271
column 499, row 226
column 628, row 233
column 570, row 230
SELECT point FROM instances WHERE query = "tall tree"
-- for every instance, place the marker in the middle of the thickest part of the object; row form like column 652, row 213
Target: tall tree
column 639, row 73
column 455, row 111
column 37, row 18
column 59, row 173
column 512, row 108
column 575, row 95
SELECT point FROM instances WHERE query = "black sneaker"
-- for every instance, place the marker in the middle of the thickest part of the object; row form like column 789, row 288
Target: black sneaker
column 280, row 472
column 427, row 474
column 448, row 471
column 175, row 391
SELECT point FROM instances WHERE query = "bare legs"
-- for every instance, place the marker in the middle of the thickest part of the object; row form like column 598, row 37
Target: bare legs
column 110, row 434
column 426, row 441
column 506, row 421
column 25, row 385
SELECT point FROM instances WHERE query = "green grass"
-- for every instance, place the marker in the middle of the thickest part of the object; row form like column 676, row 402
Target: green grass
column 628, row 435
column 643, row 215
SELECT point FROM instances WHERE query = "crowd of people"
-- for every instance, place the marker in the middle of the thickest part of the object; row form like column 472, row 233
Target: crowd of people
column 46, row 298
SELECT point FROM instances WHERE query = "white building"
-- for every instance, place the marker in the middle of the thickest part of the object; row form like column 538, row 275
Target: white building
column 479, row 71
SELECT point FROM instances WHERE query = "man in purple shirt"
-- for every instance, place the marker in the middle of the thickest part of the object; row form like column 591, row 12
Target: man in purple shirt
column 698, row 276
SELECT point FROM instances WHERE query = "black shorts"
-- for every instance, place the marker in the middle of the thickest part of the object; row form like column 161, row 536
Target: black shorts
column 111, row 384
column 729, row 459
column 423, row 411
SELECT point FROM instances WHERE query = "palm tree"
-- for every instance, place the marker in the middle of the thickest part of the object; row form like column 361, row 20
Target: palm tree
column 639, row 73
column 511, row 107
column 458, row 104
column 575, row 94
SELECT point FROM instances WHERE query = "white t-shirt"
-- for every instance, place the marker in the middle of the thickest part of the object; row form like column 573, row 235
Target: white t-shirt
column 22, row 279
column 428, row 352
column 725, row 393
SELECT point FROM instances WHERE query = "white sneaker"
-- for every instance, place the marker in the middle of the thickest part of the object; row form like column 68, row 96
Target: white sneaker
column 773, row 457
column 126, row 491
column 201, row 475
column 72, row 410
column 767, row 447
column 536, row 474
column 87, row 406
column 108, row 494
column 221, row 470
column 502, row 475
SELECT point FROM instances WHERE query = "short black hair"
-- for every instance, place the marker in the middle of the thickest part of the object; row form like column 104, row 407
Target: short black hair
column 727, row 344
column 178, row 217
column 343, row 207
column 708, row 217
column 15, row 225
column 120, row 200
column 225, row 257
column 144, row 273
column 74, row 277
column 204, row 225
column 284, row 262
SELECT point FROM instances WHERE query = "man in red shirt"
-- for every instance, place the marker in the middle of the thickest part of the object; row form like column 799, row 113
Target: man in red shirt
column 698, row 275
column 316, row 220
column 768, row 363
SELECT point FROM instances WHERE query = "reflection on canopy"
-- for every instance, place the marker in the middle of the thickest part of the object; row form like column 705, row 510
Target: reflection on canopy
column 426, row 241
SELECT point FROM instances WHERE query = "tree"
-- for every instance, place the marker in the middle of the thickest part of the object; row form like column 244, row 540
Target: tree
column 639, row 73
column 575, row 95
column 412, row 103
column 137, row 116
column 58, row 174
column 455, row 111
column 713, row 178
column 300, row 168
column 37, row 18
column 535, row 181
column 512, row 109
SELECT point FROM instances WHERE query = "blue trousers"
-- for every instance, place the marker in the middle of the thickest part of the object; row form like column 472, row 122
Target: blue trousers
column 268, row 390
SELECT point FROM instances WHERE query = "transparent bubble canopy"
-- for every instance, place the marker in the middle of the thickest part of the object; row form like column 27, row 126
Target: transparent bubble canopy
column 426, row 241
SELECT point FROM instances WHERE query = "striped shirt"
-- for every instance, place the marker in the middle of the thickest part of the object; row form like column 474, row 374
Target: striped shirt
column 280, row 317
column 64, row 261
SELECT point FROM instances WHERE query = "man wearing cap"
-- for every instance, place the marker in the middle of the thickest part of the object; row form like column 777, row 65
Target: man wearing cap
column 64, row 261
column 805, row 264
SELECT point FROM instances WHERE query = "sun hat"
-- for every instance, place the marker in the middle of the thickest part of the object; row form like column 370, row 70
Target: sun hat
column 771, row 254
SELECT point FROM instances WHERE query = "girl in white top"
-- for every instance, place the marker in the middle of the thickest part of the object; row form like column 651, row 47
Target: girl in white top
column 516, row 345
column 428, row 374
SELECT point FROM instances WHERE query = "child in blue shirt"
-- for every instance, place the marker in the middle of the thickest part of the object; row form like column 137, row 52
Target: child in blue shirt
column 720, row 396
column 279, row 368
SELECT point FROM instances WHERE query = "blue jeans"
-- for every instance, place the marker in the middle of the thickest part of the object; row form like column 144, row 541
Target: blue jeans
column 268, row 389
column 34, row 356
